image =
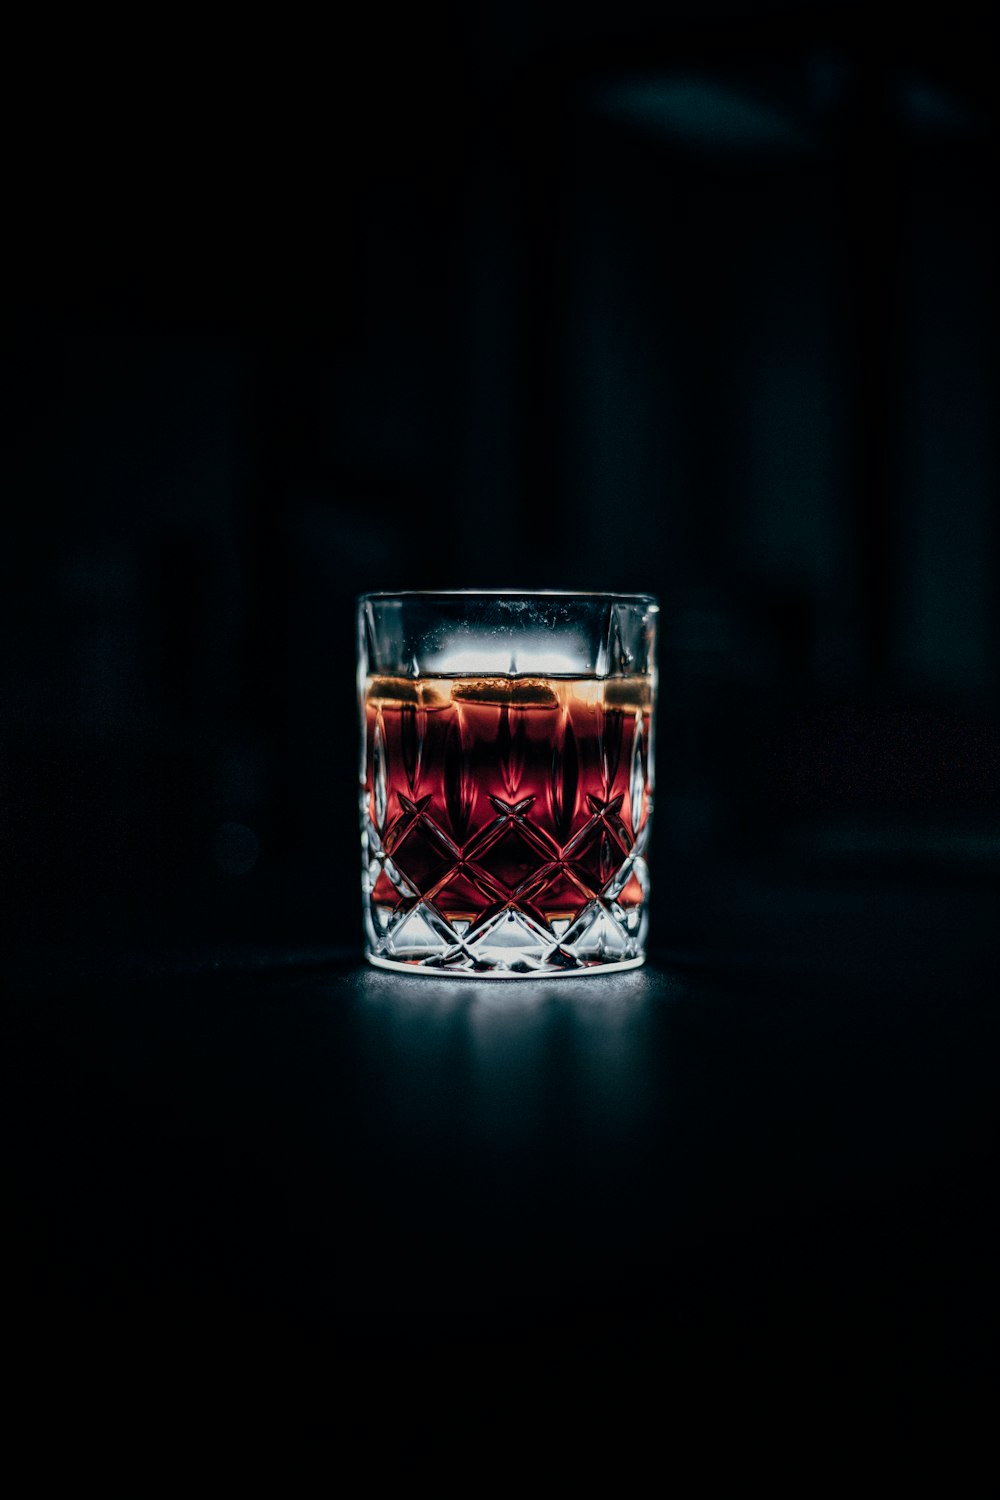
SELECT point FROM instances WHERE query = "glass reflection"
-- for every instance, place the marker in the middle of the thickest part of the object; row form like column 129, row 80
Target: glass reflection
column 532, row 1057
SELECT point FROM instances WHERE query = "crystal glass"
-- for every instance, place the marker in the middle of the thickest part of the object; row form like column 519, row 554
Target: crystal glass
column 506, row 780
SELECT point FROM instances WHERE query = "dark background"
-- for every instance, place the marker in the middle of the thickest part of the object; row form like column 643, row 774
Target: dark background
column 699, row 300
column 694, row 300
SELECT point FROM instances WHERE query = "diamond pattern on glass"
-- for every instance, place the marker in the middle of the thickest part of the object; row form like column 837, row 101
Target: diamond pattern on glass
column 502, row 836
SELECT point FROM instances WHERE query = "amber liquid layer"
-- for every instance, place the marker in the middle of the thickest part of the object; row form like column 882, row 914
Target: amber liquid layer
column 482, row 793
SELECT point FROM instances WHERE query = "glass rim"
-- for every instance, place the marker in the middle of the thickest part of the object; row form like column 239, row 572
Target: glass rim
column 648, row 600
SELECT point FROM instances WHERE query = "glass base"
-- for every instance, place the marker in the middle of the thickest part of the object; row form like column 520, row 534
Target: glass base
column 416, row 937
column 437, row 970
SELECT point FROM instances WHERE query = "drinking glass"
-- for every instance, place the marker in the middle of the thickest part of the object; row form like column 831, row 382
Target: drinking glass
column 506, row 780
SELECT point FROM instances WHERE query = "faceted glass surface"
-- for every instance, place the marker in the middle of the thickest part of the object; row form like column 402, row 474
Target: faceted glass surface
column 505, row 817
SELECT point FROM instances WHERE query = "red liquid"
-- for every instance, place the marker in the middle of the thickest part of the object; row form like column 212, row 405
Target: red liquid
column 486, row 792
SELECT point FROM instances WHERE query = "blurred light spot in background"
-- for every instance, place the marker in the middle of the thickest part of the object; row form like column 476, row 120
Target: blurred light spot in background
column 701, row 112
column 929, row 109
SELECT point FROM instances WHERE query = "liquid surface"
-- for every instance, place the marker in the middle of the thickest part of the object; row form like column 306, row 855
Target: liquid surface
column 492, row 791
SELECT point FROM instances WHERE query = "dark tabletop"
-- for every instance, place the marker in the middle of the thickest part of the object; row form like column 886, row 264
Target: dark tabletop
column 745, row 1191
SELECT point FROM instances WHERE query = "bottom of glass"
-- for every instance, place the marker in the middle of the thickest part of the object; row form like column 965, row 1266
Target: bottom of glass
column 541, row 971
